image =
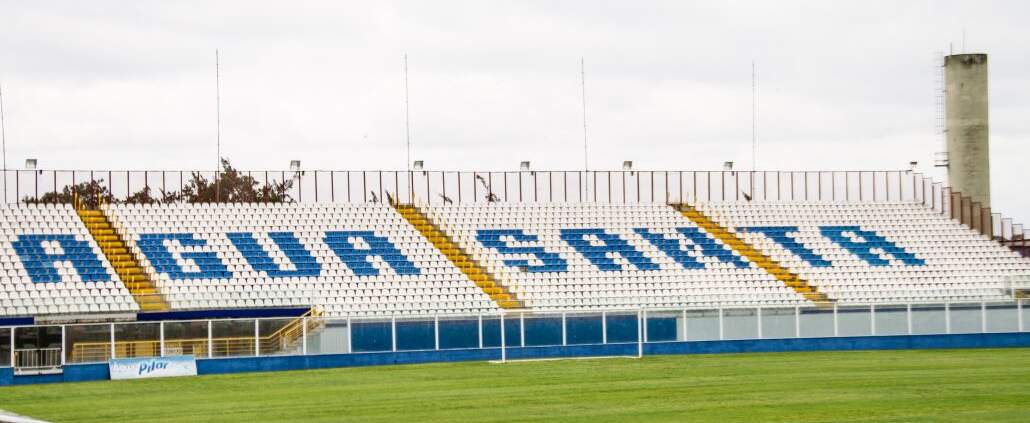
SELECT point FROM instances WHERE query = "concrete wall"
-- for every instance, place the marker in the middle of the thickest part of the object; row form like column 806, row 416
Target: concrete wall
column 969, row 170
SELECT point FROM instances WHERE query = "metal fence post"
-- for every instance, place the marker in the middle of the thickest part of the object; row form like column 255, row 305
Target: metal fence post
column 210, row 339
column 872, row 320
column 393, row 333
column 479, row 318
column 304, row 330
column 257, row 339
column 564, row 340
column 983, row 316
column 758, row 314
column 64, row 340
column 604, row 328
column 436, row 332
column 644, row 325
column 350, row 336
column 908, row 317
column 1019, row 315
column 161, row 339
column 947, row 318
column 522, row 329
column 112, row 341
column 685, row 332
column 504, row 345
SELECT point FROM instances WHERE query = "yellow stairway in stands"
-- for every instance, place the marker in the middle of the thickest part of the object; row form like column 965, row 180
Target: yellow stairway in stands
column 767, row 263
column 459, row 257
column 123, row 261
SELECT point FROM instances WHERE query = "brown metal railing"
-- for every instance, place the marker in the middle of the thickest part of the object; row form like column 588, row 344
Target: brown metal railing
column 283, row 340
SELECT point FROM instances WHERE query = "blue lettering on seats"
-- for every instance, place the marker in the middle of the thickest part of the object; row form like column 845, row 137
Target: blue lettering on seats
column 779, row 235
column 154, row 248
column 602, row 256
column 358, row 259
column 40, row 265
column 259, row 259
column 491, row 238
column 696, row 239
column 870, row 240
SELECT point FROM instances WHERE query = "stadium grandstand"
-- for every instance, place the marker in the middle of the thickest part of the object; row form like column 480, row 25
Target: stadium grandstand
column 440, row 266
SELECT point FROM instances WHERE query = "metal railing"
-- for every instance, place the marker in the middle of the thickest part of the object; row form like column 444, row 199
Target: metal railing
column 36, row 360
column 438, row 187
column 315, row 334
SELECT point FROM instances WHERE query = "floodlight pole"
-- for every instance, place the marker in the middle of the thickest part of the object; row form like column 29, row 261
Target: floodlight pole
column 218, row 125
column 3, row 139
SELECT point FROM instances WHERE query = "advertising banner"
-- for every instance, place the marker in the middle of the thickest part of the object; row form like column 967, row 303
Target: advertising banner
column 139, row 368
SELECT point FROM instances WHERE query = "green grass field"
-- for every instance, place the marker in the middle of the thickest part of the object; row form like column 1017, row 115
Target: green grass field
column 928, row 385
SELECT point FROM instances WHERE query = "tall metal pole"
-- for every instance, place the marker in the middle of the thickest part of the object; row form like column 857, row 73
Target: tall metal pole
column 754, row 116
column 218, row 124
column 407, row 114
column 583, row 97
column 3, row 140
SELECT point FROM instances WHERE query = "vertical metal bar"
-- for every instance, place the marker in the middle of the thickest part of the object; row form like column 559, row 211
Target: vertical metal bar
column 643, row 326
column 1019, row 315
column 797, row 318
column 681, row 187
column 304, row 323
column 332, row 186
column 908, row 317
column 872, row 320
column 522, row 329
column 536, row 188
column 393, row 333
column 161, row 334
column 722, row 185
column 210, row 344
column 685, row 332
column 316, row 185
column 520, row 186
column 350, row 333
column 604, row 327
column 257, row 338
column 758, row 314
column 564, row 340
column 475, row 194
column 479, row 319
column 348, row 186
column 112, row 342
column 64, row 344
column 983, row 316
column 436, row 332
column 947, row 318
column 504, row 345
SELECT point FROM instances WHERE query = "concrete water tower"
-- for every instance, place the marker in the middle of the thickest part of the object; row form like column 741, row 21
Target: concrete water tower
column 965, row 105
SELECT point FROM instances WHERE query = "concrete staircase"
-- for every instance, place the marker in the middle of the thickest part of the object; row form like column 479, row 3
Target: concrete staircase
column 497, row 292
column 763, row 261
column 124, row 262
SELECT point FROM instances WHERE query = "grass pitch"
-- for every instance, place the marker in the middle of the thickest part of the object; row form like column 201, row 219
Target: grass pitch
column 928, row 385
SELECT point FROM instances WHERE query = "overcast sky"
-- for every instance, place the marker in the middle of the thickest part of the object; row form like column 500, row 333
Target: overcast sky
column 842, row 85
